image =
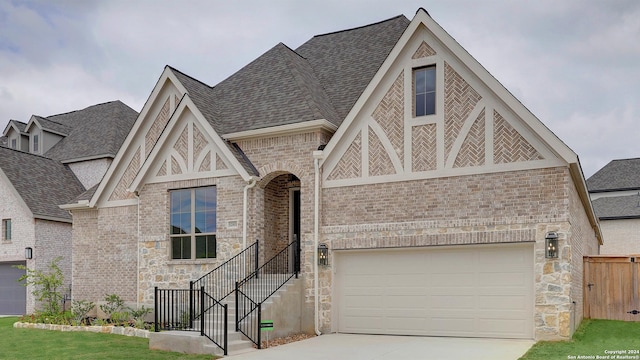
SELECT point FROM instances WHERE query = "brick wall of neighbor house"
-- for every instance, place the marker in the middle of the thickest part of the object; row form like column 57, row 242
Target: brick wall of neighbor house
column 583, row 241
column 22, row 229
column 90, row 172
column 105, row 253
column 53, row 240
column 518, row 206
column 626, row 233
column 156, row 266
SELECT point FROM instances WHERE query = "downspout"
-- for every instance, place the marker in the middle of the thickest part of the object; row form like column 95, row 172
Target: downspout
column 245, row 205
column 316, row 220
column 138, row 257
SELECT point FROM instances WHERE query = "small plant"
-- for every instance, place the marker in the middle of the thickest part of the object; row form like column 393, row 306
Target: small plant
column 113, row 304
column 138, row 316
column 119, row 318
column 80, row 309
column 45, row 285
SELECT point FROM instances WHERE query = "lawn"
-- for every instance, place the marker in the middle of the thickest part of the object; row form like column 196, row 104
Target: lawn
column 46, row 344
column 595, row 339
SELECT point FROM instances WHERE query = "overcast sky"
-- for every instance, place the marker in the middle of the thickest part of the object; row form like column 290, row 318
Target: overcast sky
column 574, row 64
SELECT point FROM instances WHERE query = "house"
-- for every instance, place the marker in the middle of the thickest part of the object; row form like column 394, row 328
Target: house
column 615, row 194
column 47, row 162
column 434, row 201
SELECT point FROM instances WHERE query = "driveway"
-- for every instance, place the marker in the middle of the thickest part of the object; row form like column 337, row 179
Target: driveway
column 369, row 347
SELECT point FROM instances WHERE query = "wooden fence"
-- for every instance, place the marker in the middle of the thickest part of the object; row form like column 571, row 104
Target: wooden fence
column 611, row 287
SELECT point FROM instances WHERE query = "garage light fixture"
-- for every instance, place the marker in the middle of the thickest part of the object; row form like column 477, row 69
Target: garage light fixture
column 551, row 245
column 323, row 254
column 28, row 253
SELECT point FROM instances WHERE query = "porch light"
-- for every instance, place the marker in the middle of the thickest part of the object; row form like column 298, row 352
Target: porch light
column 323, row 254
column 551, row 245
column 28, row 253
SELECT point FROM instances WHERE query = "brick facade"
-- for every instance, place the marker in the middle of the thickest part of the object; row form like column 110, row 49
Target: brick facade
column 626, row 233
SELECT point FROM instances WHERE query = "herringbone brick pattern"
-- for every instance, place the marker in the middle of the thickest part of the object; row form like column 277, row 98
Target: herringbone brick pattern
column 423, row 143
column 472, row 152
column 349, row 165
column 120, row 192
column 182, row 144
column 379, row 161
column 220, row 165
column 390, row 115
column 424, row 50
column 175, row 166
column 459, row 100
column 199, row 142
column 156, row 128
column 206, row 163
column 163, row 169
column 508, row 145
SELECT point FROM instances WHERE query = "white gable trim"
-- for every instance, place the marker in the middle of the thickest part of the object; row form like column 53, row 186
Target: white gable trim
column 150, row 166
column 12, row 125
column 423, row 19
column 129, row 143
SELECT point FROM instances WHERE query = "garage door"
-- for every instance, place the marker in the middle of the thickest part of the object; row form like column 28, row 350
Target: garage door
column 13, row 296
column 469, row 291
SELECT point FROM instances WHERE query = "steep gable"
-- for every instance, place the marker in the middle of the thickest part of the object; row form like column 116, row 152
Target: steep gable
column 477, row 127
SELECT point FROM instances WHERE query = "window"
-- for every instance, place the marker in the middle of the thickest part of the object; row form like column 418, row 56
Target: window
column 193, row 223
column 6, row 230
column 14, row 143
column 36, row 146
column 424, row 80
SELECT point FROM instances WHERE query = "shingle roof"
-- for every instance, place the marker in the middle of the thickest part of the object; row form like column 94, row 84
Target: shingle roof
column 19, row 124
column 322, row 79
column 42, row 183
column 98, row 130
column 623, row 174
column 53, row 126
column 3, row 140
column 618, row 207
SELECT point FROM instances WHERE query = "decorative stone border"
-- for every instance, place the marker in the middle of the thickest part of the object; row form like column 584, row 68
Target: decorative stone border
column 117, row 330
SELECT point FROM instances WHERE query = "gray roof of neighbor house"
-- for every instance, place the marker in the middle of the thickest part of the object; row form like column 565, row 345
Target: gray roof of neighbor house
column 617, row 207
column 41, row 182
column 623, row 174
column 53, row 126
column 321, row 79
column 96, row 131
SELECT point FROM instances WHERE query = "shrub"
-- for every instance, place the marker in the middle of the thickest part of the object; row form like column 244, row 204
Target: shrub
column 113, row 304
column 45, row 285
column 80, row 309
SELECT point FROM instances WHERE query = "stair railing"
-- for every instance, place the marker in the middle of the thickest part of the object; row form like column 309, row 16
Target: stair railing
column 252, row 291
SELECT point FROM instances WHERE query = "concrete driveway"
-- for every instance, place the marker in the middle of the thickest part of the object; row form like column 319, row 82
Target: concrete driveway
column 368, row 347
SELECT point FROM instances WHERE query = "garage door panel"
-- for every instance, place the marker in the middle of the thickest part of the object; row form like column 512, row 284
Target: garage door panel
column 13, row 295
column 463, row 291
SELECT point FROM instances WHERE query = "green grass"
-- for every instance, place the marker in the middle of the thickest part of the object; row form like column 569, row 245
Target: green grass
column 46, row 344
column 592, row 339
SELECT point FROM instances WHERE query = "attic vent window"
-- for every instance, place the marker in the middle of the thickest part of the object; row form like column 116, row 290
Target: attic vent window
column 36, row 145
column 424, row 88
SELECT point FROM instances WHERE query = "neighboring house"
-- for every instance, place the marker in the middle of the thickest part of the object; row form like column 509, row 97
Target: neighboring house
column 615, row 194
column 432, row 187
column 47, row 162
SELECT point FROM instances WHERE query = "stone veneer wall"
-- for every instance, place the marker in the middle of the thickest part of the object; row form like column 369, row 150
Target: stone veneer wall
column 105, row 253
column 519, row 206
column 53, row 240
column 156, row 266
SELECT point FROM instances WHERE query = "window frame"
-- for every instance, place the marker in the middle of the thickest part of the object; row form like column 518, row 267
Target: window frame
column 427, row 93
column 196, row 239
column 13, row 143
column 6, row 230
column 35, row 140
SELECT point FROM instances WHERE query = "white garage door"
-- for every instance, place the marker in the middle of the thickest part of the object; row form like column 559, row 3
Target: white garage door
column 469, row 291
column 13, row 295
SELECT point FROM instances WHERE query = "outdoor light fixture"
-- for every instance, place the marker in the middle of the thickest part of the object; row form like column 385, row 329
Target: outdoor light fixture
column 28, row 253
column 323, row 254
column 551, row 245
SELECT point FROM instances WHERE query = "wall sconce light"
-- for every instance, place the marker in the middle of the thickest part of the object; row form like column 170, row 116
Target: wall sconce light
column 28, row 253
column 323, row 254
column 551, row 245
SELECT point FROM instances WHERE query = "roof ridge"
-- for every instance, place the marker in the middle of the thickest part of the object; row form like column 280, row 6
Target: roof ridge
column 30, row 153
column 359, row 27
column 75, row 111
column 189, row 76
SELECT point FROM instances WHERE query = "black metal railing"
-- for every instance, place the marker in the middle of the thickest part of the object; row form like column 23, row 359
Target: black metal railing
column 220, row 282
column 176, row 309
column 252, row 291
